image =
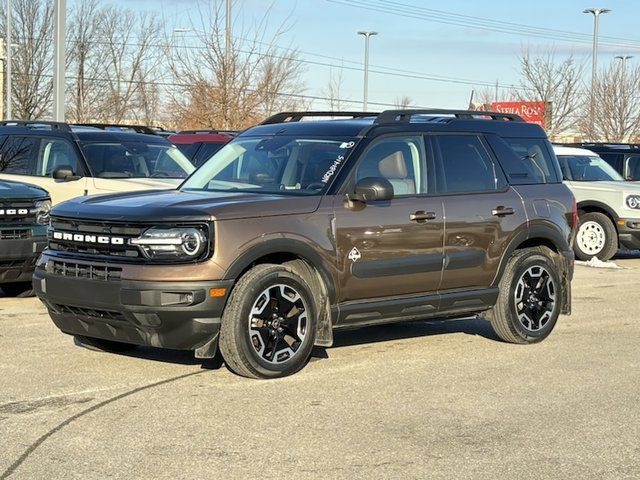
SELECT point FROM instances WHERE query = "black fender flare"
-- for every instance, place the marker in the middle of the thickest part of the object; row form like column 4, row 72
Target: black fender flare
column 601, row 206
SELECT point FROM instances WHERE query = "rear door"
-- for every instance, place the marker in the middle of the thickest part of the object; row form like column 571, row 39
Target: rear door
column 481, row 210
column 391, row 248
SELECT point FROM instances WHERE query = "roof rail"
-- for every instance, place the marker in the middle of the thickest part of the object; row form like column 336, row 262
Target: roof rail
column 394, row 116
column 283, row 117
column 112, row 126
column 204, row 130
column 62, row 126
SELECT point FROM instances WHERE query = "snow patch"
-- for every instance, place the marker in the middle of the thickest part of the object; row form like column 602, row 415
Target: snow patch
column 595, row 262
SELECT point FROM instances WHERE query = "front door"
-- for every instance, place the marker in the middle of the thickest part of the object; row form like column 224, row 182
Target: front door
column 391, row 248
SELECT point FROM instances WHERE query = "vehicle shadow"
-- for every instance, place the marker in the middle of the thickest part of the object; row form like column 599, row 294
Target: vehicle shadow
column 624, row 254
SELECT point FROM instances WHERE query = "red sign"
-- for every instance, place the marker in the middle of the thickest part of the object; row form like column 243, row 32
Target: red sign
column 533, row 112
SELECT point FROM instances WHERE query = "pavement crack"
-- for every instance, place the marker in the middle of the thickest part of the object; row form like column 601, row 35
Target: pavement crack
column 32, row 448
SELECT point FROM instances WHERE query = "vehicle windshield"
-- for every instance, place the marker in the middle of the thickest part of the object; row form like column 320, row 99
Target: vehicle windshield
column 276, row 164
column 583, row 168
column 136, row 160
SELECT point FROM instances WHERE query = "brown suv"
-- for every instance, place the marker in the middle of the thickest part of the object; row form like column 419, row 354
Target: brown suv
column 296, row 228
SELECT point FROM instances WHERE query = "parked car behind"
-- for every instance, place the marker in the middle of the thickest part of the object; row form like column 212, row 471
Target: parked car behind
column 623, row 157
column 200, row 145
column 608, row 207
column 24, row 216
column 295, row 228
column 70, row 161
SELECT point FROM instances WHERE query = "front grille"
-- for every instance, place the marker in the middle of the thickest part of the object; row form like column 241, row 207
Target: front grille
column 14, row 212
column 87, row 312
column 80, row 270
column 11, row 264
column 73, row 230
column 16, row 234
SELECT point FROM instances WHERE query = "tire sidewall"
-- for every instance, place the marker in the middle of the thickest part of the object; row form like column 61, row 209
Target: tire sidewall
column 610, row 242
column 534, row 259
column 241, row 325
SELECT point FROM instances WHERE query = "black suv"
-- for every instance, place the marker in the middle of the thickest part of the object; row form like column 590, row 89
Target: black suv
column 295, row 228
column 624, row 157
column 24, row 216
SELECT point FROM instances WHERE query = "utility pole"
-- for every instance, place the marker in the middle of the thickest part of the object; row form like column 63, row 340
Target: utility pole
column 497, row 86
column 596, row 12
column 366, row 35
column 2, row 64
column 9, row 20
column 227, row 31
column 59, row 60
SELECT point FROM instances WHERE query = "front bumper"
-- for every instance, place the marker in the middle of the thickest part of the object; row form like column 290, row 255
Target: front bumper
column 18, row 255
column 629, row 233
column 177, row 315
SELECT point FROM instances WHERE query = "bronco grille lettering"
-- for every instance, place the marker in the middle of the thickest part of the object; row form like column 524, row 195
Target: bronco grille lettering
column 82, row 238
column 15, row 211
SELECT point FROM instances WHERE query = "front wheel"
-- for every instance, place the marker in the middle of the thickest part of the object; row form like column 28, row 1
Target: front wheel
column 530, row 297
column 269, row 325
column 596, row 237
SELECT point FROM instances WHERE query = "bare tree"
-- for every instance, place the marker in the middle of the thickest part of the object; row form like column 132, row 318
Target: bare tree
column 402, row 103
column 616, row 105
column 559, row 83
column 235, row 88
column 333, row 90
column 32, row 56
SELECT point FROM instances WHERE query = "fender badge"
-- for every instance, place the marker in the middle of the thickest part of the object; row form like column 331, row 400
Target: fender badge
column 354, row 254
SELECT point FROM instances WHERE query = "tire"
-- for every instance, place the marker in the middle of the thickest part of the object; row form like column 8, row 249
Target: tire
column 520, row 321
column 259, row 337
column 18, row 290
column 102, row 345
column 596, row 237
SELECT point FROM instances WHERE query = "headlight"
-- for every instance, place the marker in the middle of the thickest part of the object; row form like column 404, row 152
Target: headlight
column 42, row 211
column 633, row 201
column 181, row 243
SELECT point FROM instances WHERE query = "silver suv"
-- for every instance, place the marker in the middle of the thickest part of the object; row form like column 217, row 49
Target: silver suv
column 608, row 206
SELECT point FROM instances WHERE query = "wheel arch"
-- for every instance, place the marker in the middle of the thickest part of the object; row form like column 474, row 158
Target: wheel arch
column 589, row 206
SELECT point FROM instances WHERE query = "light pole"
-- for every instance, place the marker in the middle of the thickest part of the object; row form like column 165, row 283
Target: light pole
column 366, row 35
column 596, row 12
column 8, row 16
column 59, row 58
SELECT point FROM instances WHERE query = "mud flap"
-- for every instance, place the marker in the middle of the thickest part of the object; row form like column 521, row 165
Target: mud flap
column 209, row 349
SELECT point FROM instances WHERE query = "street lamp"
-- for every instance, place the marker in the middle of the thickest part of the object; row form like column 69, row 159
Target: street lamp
column 8, row 17
column 596, row 12
column 366, row 35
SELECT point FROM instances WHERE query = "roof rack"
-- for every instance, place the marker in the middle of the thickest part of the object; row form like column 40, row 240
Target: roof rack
column 204, row 130
column 36, row 124
column 394, row 116
column 285, row 117
column 114, row 126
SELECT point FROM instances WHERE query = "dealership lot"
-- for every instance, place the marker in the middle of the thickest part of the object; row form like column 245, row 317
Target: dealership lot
column 423, row 400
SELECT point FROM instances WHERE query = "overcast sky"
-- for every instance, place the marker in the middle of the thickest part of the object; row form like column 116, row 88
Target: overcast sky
column 469, row 42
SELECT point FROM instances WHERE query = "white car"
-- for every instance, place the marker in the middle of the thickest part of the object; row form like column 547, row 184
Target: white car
column 70, row 161
column 608, row 206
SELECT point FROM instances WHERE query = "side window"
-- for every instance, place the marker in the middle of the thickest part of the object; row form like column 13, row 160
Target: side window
column 399, row 159
column 206, row 152
column 53, row 153
column 633, row 168
column 18, row 155
column 466, row 165
column 613, row 159
column 534, row 156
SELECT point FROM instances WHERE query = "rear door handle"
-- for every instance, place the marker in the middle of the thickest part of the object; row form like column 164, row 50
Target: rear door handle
column 502, row 211
column 421, row 216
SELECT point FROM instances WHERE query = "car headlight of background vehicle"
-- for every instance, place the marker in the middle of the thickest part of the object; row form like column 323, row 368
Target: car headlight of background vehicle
column 179, row 243
column 633, row 201
column 42, row 210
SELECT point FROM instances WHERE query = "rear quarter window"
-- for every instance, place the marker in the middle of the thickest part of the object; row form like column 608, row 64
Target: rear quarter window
column 526, row 161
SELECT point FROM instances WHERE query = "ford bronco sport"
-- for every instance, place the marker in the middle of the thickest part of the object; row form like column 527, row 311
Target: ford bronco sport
column 296, row 228
column 24, row 216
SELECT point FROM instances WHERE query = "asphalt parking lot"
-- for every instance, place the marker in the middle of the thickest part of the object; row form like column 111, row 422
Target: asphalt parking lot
column 422, row 400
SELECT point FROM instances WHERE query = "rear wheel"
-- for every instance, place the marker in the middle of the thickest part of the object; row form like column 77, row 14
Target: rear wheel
column 596, row 237
column 269, row 325
column 530, row 297
column 104, row 345
column 19, row 289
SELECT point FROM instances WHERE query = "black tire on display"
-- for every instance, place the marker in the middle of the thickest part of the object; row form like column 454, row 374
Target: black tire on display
column 104, row 345
column 269, row 324
column 19, row 290
column 530, row 297
column 596, row 237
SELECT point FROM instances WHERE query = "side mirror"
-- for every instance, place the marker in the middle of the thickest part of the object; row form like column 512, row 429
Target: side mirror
column 372, row 189
column 64, row 173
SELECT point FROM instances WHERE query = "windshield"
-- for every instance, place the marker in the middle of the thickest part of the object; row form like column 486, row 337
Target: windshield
column 583, row 168
column 136, row 160
column 276, row 164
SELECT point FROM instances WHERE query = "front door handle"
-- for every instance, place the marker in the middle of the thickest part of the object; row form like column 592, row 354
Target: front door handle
column 421, row 216
column 502, row 211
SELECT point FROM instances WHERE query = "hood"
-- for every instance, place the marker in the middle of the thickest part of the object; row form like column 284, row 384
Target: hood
column 609, row 186
column 157, row 206
column 11, row 190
